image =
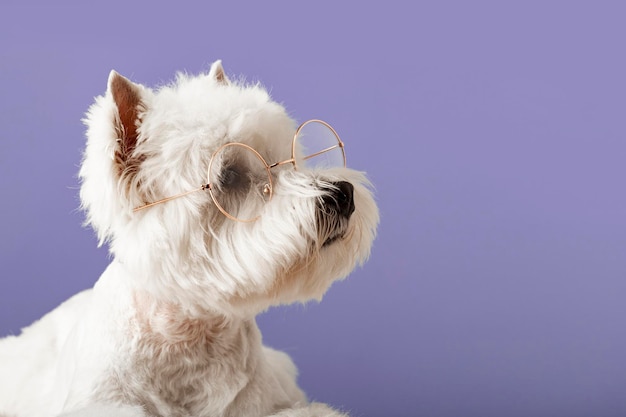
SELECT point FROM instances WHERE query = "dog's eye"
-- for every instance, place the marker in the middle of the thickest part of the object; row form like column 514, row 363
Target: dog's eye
column 232, row 178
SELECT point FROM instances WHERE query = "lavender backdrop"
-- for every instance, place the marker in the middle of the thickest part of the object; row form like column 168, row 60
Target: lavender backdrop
column 495, row 135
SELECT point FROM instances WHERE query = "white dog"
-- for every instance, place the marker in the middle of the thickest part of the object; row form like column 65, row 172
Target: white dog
column 214, row 210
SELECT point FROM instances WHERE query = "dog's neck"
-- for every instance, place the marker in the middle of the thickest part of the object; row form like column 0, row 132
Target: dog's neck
column 175, row 356
column 189, row 353
column 164, row 323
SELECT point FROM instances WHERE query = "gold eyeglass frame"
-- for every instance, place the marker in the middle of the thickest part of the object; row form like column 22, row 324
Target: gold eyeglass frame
column 268, row 188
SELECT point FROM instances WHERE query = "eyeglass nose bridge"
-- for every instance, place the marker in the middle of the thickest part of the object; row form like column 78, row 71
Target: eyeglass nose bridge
column 291, row 161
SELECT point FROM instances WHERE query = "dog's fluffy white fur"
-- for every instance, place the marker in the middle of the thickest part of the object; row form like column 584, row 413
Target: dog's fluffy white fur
column 169, row 328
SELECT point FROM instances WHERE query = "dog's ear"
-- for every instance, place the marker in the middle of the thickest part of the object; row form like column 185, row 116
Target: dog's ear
column 127, row 97
column 112, row 159
column 217, row 73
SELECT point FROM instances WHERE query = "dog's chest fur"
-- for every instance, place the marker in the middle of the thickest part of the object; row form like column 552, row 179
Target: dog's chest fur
column 181, row 366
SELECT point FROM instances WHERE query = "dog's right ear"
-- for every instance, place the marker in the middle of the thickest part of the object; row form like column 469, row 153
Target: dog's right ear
column 218, row 74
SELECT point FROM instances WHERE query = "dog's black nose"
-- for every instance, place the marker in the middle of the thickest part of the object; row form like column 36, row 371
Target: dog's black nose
column 341, row 198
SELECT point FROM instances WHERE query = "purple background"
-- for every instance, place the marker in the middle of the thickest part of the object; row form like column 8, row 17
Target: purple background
column 494, row 133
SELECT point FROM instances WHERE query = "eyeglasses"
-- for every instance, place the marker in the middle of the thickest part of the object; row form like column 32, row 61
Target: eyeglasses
column 239, row 179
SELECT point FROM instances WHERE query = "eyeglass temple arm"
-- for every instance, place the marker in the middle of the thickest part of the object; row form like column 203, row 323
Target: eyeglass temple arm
column 339, row 145
column 165, row 200
column 313, row 155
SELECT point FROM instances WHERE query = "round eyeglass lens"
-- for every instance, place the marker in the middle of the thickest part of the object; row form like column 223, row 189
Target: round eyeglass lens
column 317, row 146
column 240, row 182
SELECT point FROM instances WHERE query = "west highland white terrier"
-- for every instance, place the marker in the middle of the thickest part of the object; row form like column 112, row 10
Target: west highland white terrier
column 215, row 206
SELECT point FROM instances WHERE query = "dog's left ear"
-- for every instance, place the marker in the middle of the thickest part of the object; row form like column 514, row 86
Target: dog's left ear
column 217, row 73
column 112, row 157
column 127, row 97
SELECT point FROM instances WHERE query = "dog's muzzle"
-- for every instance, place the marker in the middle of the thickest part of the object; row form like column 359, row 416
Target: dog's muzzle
column 334, row 211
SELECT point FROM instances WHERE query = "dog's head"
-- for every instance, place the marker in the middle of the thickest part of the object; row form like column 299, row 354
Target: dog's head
column 205, row 196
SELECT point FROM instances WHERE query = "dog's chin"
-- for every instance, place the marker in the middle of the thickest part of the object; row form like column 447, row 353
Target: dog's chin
column 335, row 237
column 331, row 228
column 331, row 240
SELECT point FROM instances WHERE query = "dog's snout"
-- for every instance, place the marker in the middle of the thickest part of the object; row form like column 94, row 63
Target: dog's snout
column 341, row 198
